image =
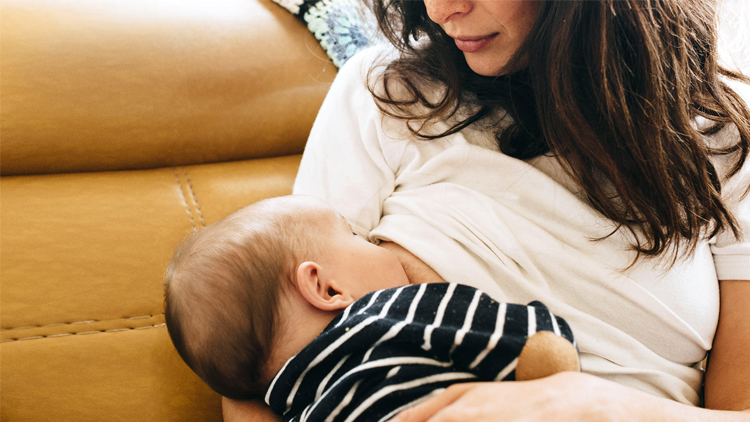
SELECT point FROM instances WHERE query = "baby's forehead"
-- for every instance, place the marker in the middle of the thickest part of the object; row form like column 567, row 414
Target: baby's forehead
column 324, row 221
column 299, row 215
column 317, row 210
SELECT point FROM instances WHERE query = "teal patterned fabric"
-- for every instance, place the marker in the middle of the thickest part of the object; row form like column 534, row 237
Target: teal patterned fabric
column 339, row 26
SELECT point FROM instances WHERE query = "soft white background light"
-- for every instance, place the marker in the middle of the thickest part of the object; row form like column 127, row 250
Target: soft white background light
column 734, row 33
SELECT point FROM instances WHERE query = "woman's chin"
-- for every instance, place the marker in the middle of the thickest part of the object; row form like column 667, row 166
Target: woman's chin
column 486, row 67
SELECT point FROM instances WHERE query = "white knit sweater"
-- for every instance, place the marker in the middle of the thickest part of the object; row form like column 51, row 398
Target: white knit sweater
column 519, row 231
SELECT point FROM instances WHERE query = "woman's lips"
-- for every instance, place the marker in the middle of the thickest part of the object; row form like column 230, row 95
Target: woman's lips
column 472, row 45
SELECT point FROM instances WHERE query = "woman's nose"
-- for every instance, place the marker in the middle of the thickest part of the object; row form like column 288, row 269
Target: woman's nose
column 442, row 11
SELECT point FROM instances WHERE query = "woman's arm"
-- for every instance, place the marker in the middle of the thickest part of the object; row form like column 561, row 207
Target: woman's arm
column 581, row 397
column 728, row 375
column 575, row 396
column 564, row 397
column 247, row 411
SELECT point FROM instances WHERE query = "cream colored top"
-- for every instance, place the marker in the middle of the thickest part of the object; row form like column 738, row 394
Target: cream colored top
column 519, row 231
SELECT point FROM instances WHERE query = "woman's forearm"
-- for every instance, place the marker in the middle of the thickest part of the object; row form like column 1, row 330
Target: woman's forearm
column 565, row 397
column 684, row 413
column 247, row 411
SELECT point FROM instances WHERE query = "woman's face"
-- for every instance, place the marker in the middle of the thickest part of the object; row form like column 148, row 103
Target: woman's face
column 487, row 31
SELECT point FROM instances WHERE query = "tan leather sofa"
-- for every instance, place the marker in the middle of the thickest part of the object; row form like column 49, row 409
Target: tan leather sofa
column 124, row 126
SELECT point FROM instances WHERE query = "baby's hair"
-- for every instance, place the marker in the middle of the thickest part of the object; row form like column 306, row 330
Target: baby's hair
column 222, row 293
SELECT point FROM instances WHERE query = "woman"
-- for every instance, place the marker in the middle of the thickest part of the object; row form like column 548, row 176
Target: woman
column 588, row 154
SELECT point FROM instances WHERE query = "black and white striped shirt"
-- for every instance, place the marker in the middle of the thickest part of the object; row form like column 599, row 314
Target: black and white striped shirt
column 393, row 348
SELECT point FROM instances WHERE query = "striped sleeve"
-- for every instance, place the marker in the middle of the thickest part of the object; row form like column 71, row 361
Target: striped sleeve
column 395, row 347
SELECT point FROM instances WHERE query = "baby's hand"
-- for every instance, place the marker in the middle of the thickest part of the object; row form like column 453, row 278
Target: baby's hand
column 416, row 270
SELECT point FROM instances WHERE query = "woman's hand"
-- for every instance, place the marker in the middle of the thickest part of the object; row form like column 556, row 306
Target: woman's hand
column 564, row 397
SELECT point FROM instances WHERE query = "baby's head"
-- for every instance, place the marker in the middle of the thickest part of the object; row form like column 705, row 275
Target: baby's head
column 250, row 291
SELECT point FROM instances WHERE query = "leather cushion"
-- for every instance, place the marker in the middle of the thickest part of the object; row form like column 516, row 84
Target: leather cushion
column 83, row 258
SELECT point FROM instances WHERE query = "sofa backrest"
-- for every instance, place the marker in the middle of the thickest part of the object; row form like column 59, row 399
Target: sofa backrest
column 93, row 85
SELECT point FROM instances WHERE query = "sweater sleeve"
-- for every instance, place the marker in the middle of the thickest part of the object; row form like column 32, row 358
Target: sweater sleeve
column 345, row 161
column 731, row 254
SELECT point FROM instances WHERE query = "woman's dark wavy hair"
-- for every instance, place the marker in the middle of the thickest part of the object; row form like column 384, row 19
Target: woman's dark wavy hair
column 611, row 88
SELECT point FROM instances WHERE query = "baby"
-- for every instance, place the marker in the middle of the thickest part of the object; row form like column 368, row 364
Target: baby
column 282, row 300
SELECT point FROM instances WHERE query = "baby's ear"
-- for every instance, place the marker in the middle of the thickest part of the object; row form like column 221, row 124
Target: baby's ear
column 319, row 290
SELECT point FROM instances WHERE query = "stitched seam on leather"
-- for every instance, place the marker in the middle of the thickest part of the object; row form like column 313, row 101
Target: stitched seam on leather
column 194, row 197
column 90, row 321
column 84, row 333
column 184, row 199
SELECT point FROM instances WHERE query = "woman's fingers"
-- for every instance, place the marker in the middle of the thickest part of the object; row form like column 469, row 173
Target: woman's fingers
column 427, row 409
column 564, row 397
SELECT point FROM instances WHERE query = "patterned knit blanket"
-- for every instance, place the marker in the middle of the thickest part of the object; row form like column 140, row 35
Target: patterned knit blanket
column 341, row 26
